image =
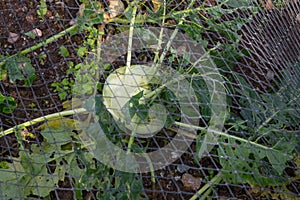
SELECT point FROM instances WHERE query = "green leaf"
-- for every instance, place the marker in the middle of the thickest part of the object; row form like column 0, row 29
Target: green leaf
column 251, row 164
column 39, row 181
column 135, row 108
column 82, row 51
column 31, row 34
column 238, row 3
column 42, row 9
column 89, row 15
column 43, row 183
column 20, row 68
column 128, row 12
column 12, row 180
column 59, row 132
column 3, row 70
column 7, row 104
column 63, row 51
column 171, row 104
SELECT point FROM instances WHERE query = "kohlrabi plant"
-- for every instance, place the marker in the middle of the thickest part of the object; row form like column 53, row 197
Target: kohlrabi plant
column 139, row 100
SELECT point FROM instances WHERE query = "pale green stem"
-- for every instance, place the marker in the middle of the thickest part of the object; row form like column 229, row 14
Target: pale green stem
column 42, row 119
column 213, row 181
column 132, row 136
column 154, row 93
column 125, row 21
column 273, row 115
column 131, row 29
column 205, row 195
column 200, row 8
column 43, row 43
column 225, row 135
column 151, row 168
column 160, row 35
column 165, row 51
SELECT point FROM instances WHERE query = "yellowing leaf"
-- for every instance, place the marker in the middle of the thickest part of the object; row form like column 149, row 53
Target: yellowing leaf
column 72, row 104
column 58, row 123
column 26, row 134
column 156, row 5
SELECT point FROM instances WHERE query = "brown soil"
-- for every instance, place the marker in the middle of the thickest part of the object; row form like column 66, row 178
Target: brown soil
column 21, row 17
column 272, row 38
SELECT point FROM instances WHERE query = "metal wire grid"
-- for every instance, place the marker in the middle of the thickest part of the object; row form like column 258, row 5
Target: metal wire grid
column 271, row 37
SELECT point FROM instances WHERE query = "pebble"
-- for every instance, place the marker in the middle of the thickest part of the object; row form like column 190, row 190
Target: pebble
column 37, row 32
column 12, row 37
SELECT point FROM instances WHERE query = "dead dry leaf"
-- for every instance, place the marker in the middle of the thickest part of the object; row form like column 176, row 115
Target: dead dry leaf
column 12, row 37
column 190, row 181
column 269, row 5
column 116, row 7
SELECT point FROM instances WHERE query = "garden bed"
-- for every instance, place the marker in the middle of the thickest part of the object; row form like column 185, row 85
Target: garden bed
column 56, row 65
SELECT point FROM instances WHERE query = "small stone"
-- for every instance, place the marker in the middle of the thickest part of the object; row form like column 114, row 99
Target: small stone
column 12, row 37
column 37, row 32
column 190, row 182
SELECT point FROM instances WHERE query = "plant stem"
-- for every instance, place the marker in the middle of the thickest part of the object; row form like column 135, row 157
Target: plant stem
column 200, row 8
column 166, row 49
column 174, row 34
column 213, row 181
column 132, row 136
column 42, row 119
column 225, row 135
column 131, row 29
column 125, row 21
column 43, row 43
column 205, row 195
column 268, row 120
column 151, row 168
column 160, row 35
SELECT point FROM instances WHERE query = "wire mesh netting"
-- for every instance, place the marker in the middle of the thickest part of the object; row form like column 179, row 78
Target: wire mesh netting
column 156, row 99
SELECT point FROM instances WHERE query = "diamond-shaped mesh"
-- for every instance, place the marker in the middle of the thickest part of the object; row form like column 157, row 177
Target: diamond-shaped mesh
column 152, row 99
